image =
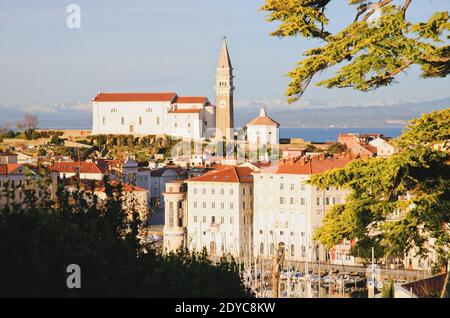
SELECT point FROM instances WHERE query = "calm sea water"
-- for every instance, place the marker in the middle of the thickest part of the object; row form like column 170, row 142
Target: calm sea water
column 331, row 134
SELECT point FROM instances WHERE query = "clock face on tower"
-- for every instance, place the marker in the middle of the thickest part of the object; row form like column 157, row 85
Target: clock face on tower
column 222, row 104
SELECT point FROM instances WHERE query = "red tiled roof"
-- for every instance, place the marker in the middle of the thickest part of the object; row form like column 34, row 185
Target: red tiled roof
column 135, row 97
column 266, row 121
column 71, row 167
column 370, row 148
column 9, row 168
column 232, row 175
column 191, row 100
column 186, row 111
column 307, row 166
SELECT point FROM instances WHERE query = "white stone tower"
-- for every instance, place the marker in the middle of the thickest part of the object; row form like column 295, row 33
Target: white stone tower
column 175, row 221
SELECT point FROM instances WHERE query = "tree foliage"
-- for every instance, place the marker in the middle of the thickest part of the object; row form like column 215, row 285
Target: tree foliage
column 395, row 204
column 371, row 50
column 39, row 239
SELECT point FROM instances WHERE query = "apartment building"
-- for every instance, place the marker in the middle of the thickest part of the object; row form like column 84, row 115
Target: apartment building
column 288, row 209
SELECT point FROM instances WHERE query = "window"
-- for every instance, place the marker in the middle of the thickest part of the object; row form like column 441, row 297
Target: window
column 204, row 190
column 204, row 205
column 231, row 205
column 302, row 201
column 292, row 250
column 213, row 205
column 222, row 220
column 282, row 200
column 327, row 201
column 231, row 191
column 195, row 190
column 292, row 201
column 302, row 187
column 222, row 205
column 243, row 205
column 122, row 120
column 104, row 120
column 157, row 120
column 243, row 191
column 204, row 219
column 261, row 248
column 261, row 232
column 251, row 190
column 195, row 204
column 334, row 200
column 272, row 247
column 222, row 191
column 213, row 191
column 292, row 187
column 140, row 120
column 213, row 219
column 176, row 125
column 318, row 201
column 148, row 110
column 281, row 186
column 195, row 219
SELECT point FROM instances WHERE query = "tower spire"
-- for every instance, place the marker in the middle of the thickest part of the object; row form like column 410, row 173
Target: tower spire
column 224, row 60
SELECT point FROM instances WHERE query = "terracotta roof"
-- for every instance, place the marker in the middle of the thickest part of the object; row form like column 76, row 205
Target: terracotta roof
column 186, row 111
column 370, row 148
column 232, row 175
column 9, row 168
column 191, row 100
column 135, row 97
column 71, row 167
column 307, row 166
column 263, row 119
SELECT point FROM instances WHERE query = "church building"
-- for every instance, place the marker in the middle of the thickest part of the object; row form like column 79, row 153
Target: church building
column 188, row 117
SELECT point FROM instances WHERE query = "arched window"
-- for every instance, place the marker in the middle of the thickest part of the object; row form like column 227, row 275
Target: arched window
column 261, row 248
column 123, row 120
column 140, row 120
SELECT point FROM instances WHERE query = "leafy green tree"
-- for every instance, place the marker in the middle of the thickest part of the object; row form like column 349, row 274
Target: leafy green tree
column 370, row 51
column 337, row 148
column 40, row 238
column 413, row 184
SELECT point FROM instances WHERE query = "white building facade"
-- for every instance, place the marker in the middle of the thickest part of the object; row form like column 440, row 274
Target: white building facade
column 152, row 114
column 220, row 212
column 288, row 210
column 263, row 131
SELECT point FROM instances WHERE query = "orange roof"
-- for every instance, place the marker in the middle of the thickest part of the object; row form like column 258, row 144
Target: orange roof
column 370, row 148
column 191, row 100
column 307, row 166
column 186, row 111
column 135, row 97
column 71, row 167
column 9, row 168
column 232, row 175
column 263, row 119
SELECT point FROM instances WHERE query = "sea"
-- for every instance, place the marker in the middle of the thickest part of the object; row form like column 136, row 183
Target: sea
column 331, row 134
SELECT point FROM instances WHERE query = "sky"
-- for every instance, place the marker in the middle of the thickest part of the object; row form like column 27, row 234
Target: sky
column 171, row 46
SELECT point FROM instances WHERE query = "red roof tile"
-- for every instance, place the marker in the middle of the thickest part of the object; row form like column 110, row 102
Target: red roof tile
column 266, row 121
column 71, row 167
column 135, row 97
column 9, row 168
column 307, row 166
column 232, row 175
column 191, row 100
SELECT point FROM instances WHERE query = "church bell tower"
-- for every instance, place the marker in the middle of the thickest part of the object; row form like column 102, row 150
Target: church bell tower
column 224, row 94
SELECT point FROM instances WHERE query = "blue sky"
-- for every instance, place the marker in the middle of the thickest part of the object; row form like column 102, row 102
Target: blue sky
column 162, row 45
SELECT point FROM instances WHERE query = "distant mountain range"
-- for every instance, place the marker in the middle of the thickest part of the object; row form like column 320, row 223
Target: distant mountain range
column 79, row 116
